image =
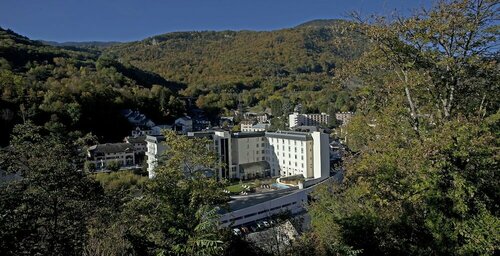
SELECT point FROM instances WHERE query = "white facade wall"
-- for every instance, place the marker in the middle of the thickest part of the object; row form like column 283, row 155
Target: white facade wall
column 293, row 203
column 123, row 158
column 246, row 126
column 321, row 149
column 290, row 156
column 294, row 120
column 298, row 153
column 155, row 149
column 254, row 129
column 322, row 118
column 297, row 119
column 249, row 150
column 287, row 153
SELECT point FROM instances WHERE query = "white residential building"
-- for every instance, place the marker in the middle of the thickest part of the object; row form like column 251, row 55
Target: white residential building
column 103, row 154
column 297, row 119
column 299, row 153
column 138, row 142
column 242, row 154
column 155, row 149
column 246, row 125
column 250, row 126
column 249, row 155
column 245, row 155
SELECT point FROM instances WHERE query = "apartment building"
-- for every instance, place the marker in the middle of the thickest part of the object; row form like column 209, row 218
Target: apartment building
column 299, row 153
column 155, row 148
column 249, row 155
column 246, row 125
column 246, row 155
column 241, row 154
column 251, row 126
column 139, row 143
column 297, row 119
column 102, row 154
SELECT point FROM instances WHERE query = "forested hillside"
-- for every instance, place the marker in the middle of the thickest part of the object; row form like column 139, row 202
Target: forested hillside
column 68, row 88
column 420, row 171
column 267, row 69
column 424, row 176
column 75, row 90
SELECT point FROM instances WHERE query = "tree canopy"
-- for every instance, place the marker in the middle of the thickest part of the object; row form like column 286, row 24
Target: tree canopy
column 423, row 176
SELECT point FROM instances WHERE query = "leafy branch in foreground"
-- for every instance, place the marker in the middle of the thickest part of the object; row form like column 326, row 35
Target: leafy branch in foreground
column 177, row 214
column 424, row 176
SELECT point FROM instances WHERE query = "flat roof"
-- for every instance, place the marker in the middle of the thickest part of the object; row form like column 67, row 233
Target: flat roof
column 138, row 139
column 247, row 134
column 112, row 148
column 290, row 135
column 242, row 202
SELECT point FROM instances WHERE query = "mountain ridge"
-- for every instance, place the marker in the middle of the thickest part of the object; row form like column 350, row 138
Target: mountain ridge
column 222, row 68
column 99, row 44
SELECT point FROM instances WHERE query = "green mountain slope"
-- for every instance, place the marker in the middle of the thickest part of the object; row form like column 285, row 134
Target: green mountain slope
column 75, row 90
column 83, row 88
column 222, row 68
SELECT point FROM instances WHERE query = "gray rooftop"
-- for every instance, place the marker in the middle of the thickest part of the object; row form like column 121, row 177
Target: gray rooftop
column 241, row 202
column 155, row 139
column 112, row 148
column 136, row 140
column 290, row 135
column 261, row 126
column 200, row 134
column 247, row 134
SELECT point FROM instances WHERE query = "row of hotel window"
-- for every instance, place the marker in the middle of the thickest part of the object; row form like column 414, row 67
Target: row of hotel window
column 283, row 141
column 276, row 141
column 110, row 157
column 277, row 148
column 286, row 170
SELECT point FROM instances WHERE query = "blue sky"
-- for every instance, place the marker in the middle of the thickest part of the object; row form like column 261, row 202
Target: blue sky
column 127, row 20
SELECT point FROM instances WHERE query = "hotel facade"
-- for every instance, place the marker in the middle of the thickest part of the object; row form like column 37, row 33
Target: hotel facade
column 246, row 155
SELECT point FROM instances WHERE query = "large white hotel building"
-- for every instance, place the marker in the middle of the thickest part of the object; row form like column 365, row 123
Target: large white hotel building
column 247, row 155
column 294, row 153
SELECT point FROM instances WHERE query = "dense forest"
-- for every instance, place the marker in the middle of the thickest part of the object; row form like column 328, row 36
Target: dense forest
column 76, row 90
column 257, row 69
column 62, row 87
column 421, row 169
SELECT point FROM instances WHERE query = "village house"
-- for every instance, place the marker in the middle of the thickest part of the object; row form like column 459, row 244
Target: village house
column 101, row 155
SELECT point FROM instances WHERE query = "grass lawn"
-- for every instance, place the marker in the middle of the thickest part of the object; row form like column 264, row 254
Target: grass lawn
column 236, row 187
